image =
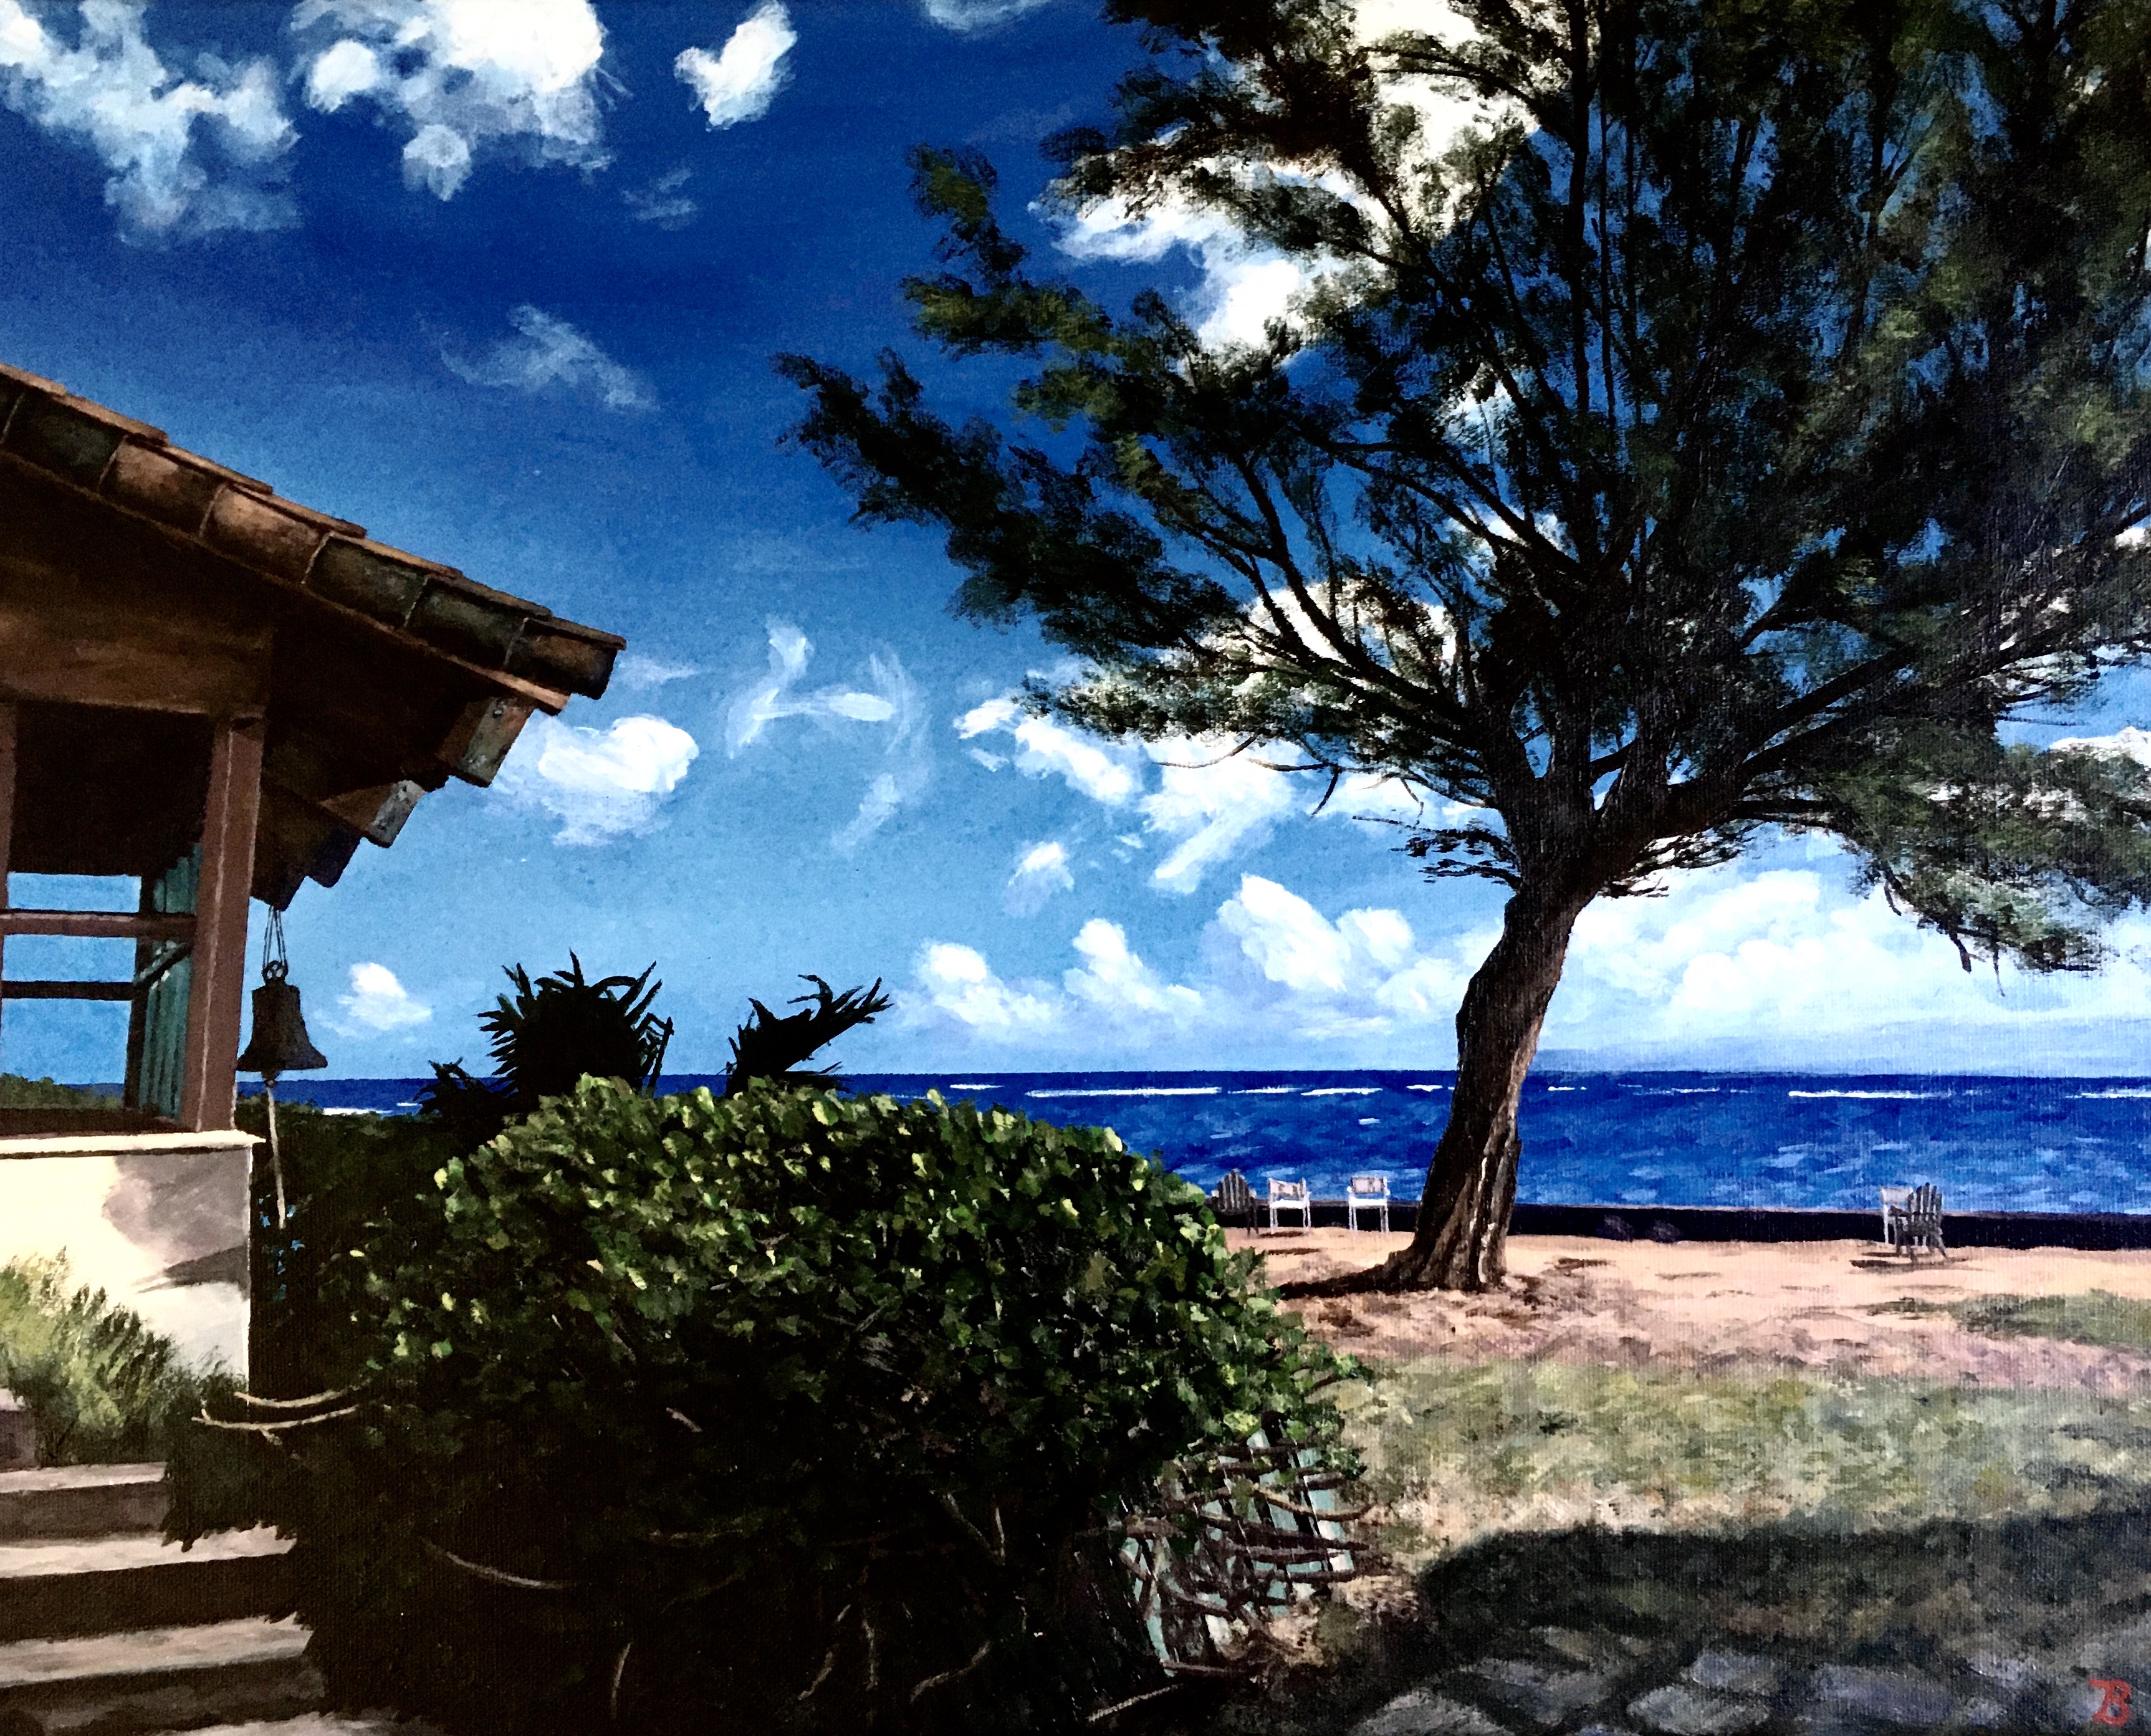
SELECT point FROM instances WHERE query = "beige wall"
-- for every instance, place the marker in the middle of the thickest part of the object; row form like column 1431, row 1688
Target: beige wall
column 158, row 1221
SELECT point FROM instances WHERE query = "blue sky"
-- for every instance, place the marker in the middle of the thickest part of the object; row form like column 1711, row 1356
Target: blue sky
column 501, row 279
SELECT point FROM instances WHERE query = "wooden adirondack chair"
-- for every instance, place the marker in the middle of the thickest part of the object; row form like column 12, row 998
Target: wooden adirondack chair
column 1912, row 1219
column 1235, row 1200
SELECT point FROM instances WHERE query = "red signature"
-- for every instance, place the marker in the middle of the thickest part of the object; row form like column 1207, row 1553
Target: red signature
column 2113, row 1703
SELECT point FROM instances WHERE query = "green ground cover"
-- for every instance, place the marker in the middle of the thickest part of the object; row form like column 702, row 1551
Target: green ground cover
column 102, row 1387
column 1456, row 1453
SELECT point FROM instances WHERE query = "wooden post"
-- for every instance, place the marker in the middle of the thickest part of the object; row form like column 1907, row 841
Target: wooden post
column 7, row 801
column 215, row 998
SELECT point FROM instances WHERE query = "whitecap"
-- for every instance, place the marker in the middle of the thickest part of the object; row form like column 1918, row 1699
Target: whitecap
column 1904, row 1096
column 1136, row 1091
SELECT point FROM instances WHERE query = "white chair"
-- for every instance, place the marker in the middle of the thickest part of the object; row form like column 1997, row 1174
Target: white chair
column 1291, row 1196
column 1894, row 1200
column 1367, row 1193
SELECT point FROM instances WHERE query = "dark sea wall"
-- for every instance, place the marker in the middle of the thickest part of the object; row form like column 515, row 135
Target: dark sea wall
column 1719, row 1223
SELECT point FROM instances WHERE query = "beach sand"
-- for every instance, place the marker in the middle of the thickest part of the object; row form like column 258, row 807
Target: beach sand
column 1840, row 1306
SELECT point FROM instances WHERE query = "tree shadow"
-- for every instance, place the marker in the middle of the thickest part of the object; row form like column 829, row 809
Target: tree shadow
column 2043, row 1603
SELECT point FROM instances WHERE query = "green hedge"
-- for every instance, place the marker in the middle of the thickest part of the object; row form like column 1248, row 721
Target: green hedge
column 783, row 1411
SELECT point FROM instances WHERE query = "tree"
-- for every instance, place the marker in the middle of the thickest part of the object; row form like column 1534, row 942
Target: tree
column 1736, row 428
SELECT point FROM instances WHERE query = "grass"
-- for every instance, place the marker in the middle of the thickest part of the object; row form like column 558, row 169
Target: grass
column 1457, row 1453
column 2095, row 1316
column 102, row 1387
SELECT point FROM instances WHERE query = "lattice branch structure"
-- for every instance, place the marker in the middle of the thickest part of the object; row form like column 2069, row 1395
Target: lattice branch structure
column 1236, row 1540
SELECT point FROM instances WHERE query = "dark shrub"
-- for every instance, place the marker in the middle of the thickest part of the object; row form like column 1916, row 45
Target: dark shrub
column 780, row 1411
column 549, row 1034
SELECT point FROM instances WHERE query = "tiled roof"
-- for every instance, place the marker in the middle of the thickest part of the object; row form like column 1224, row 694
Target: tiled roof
column 523, row 646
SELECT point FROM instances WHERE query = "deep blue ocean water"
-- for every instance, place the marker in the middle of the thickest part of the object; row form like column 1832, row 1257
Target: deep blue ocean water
column 1627, row 1139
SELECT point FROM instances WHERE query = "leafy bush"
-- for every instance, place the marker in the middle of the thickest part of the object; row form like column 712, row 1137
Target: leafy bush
column 101, row 1386
column 348, row 1179
column 782, row 1411
column 17, row 1092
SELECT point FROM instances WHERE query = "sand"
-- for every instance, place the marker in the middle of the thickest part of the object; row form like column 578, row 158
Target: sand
column 1707, row 1305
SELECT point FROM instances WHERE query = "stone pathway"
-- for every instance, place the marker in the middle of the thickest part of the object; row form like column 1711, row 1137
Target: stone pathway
column 1752, row 1693
column 2010, row 1626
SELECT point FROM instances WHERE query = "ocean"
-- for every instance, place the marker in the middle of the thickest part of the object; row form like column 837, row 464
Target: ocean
column 1757, row 1140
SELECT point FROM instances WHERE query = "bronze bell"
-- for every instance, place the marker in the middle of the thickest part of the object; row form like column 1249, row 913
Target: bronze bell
column 280, row 1043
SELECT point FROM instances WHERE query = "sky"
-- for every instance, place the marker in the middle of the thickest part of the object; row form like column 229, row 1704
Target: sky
column 501, row 280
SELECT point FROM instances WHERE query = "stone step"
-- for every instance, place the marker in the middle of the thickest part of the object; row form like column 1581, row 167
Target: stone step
column 324, row 1724
column 157, row 1679
column 81, row 1501
column 106, row 1585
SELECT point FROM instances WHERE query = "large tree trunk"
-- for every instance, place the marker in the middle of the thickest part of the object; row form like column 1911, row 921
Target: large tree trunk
column 1461, row 1239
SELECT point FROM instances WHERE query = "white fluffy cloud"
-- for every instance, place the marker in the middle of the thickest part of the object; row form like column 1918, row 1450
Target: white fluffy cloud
column 971, row 15
column 1793, row 954
column 1114, row 981
column 740, row 81
column 1363, row 975
column 1245, row 286
column 461, row 76
column 889, row 701
column 2129, row 742
column 599, row 784
column 1277, row 973
column 187, row 156
column 378, row 1002
column 1040, row 871
column 548, row 351
column 1104, row 771
column 957, row 984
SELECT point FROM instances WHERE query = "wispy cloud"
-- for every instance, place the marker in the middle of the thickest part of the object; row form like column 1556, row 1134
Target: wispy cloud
column 1105, row 772
column 1040, row 871
column 970, row 15
column 599, row 784
column 548, row 351
column 887, row 701
column 378, row 1002
column 460, row 77
column 662, row 202
column 741, row 80
column 634, row 669
column 1210, row 802
column 188, row 156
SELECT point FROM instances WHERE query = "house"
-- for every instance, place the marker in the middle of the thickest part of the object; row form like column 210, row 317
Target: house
column 208, row 695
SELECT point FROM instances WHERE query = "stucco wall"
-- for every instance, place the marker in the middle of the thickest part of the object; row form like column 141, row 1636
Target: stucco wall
column 156, row 1220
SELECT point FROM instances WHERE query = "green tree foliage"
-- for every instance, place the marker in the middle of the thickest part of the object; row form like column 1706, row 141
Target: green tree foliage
column 772, row 1046
column 551, row 1034
column 1736, row 428
column 781, row 1410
